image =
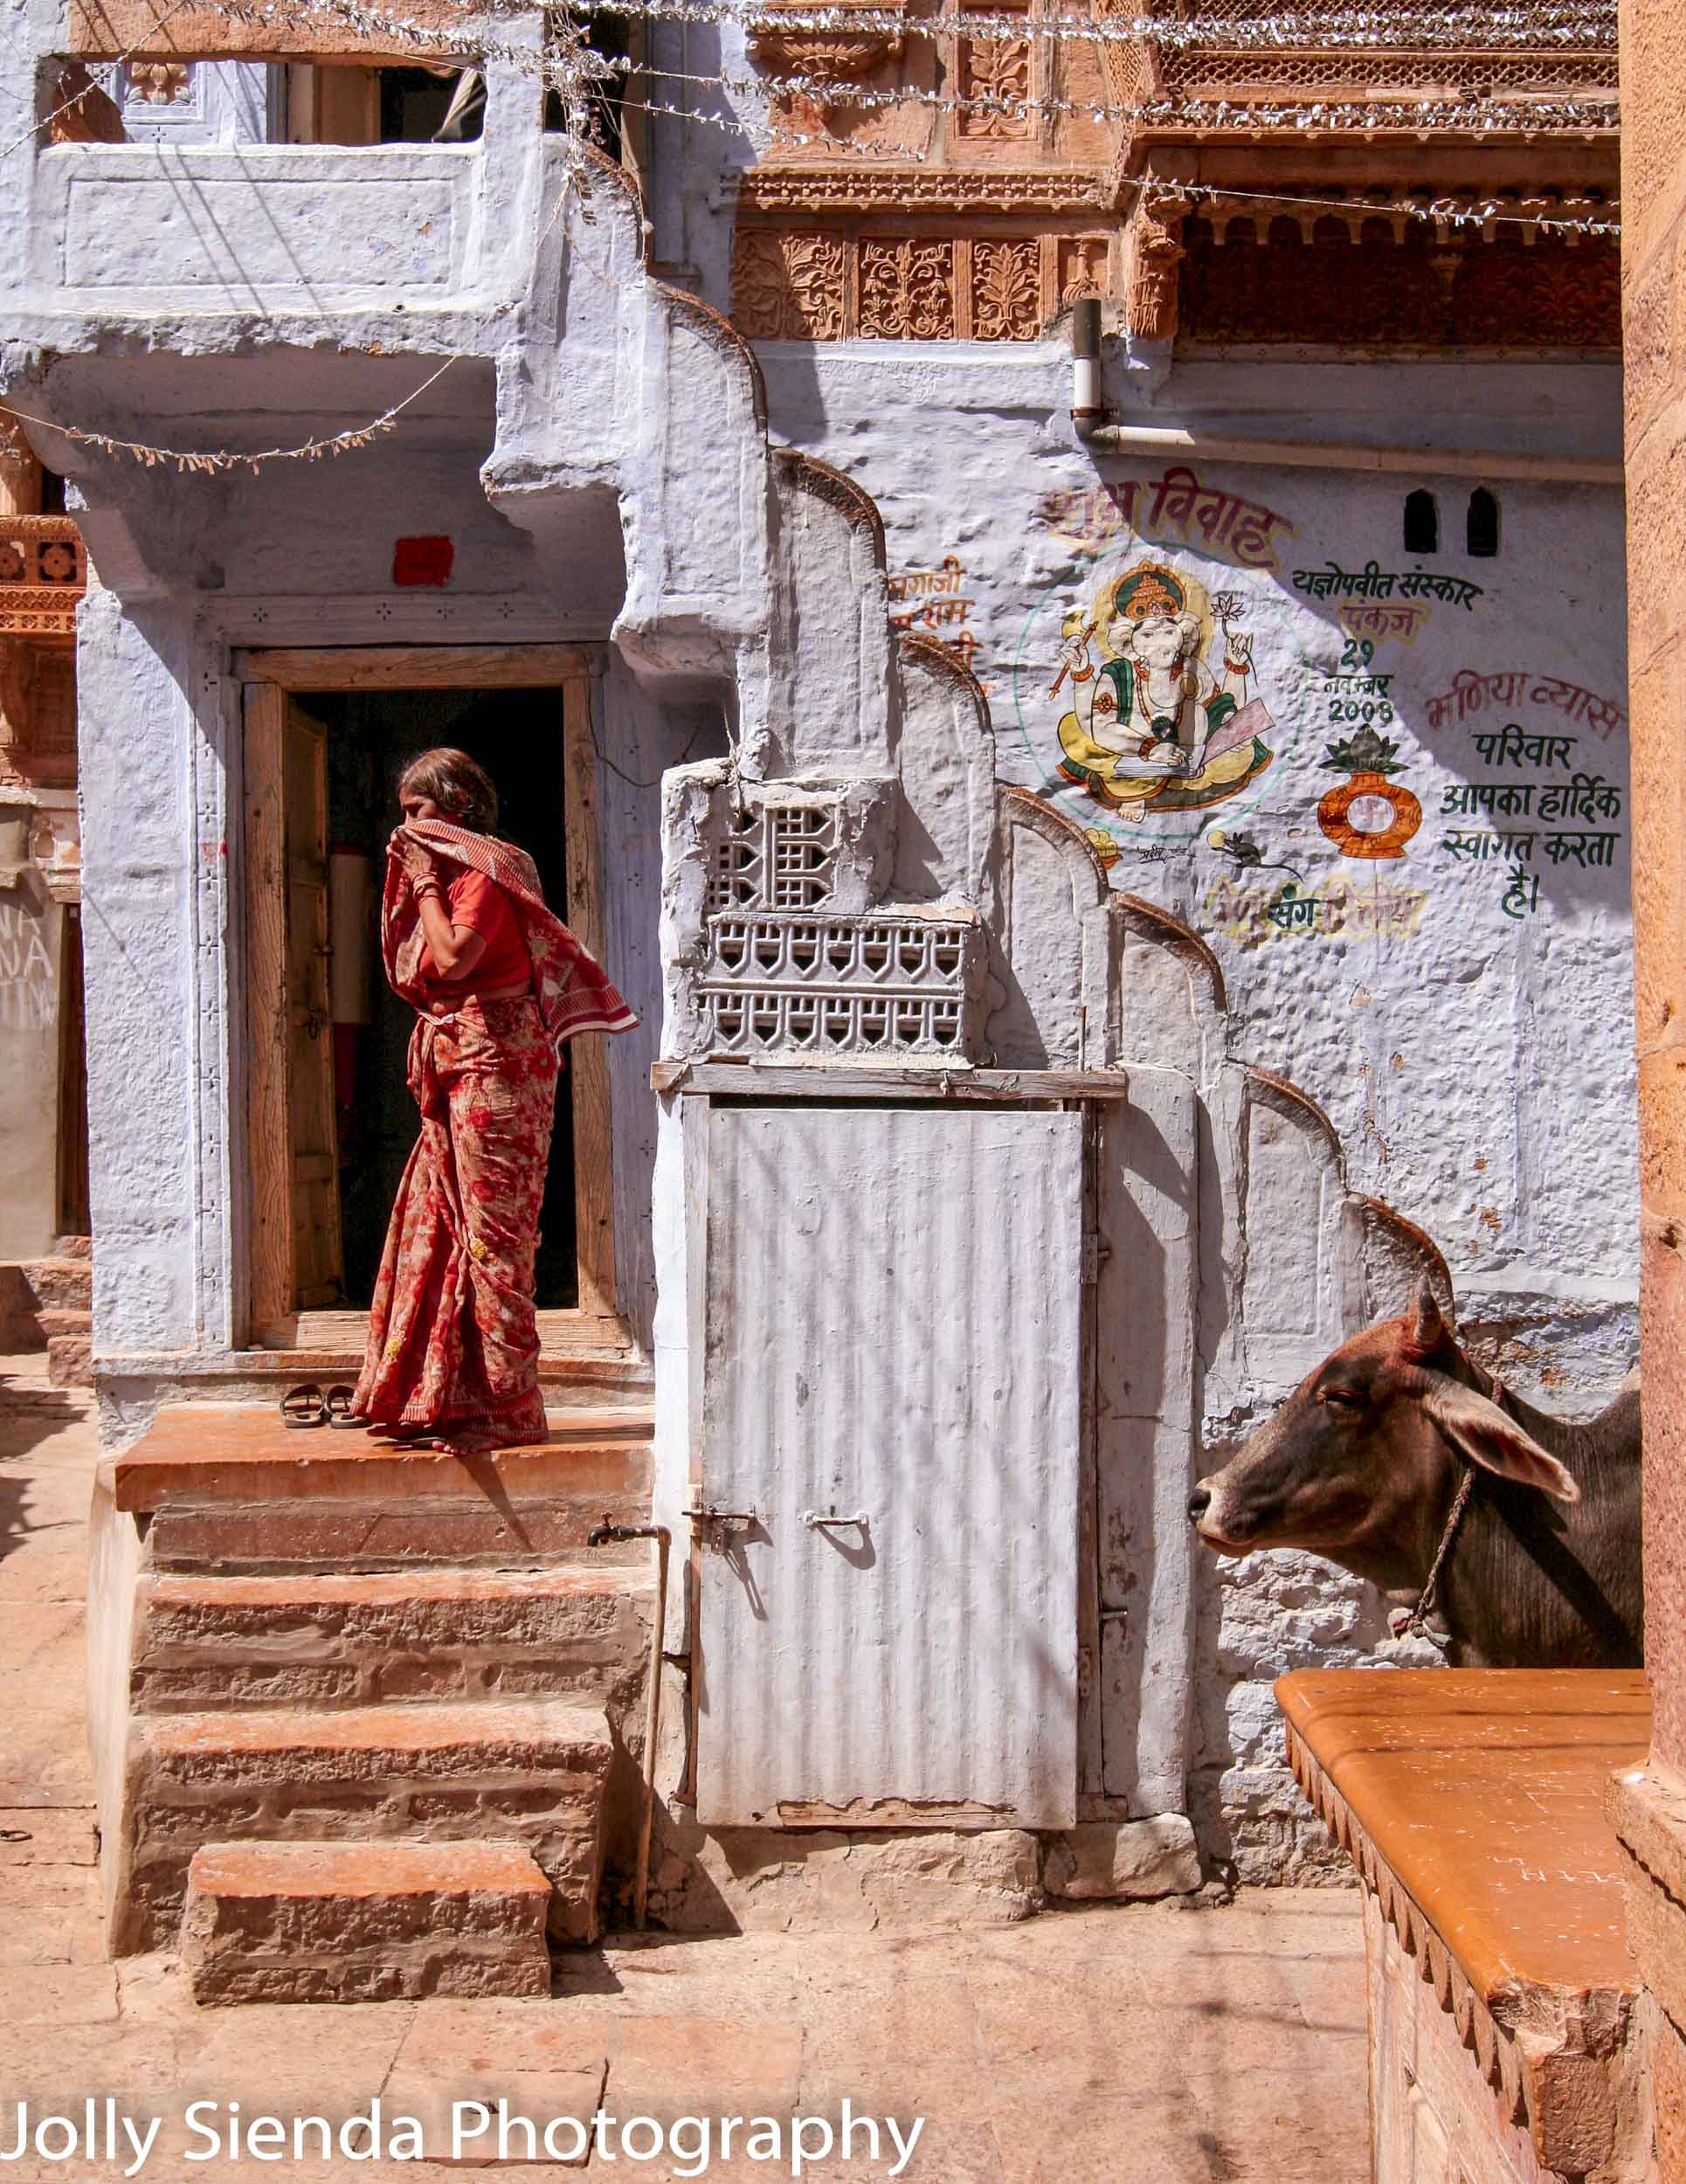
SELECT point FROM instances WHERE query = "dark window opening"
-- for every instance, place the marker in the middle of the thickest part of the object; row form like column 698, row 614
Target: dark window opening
column 610, row 36
column 1422, row 523
column 416, row 104
column 52, row 494
column 1482, row 528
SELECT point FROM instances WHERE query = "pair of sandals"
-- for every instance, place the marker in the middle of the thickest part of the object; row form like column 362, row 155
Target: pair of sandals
column 306, row 1407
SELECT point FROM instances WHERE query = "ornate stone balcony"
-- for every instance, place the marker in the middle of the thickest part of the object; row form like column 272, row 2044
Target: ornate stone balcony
column 44, row 573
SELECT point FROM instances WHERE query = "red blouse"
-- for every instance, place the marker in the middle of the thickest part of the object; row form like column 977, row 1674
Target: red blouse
column 480, row 904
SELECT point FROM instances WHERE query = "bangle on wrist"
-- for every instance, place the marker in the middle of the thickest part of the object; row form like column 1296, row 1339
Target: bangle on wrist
column 422, row 888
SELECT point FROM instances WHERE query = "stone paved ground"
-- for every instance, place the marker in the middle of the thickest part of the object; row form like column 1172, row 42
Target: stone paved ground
column 1133, row 2044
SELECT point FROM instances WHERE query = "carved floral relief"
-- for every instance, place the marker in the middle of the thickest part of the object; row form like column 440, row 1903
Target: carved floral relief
column 787, row 286
column 1006, row 291
column 907, row 290
column 995, row 69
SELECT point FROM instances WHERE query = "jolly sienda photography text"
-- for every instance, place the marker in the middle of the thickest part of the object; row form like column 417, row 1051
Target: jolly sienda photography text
column 99, row 2129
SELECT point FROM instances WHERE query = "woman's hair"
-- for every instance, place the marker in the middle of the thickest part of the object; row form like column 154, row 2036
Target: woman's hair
column 460, row 788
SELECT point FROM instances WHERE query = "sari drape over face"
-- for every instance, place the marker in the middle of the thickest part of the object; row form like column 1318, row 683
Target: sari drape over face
column 570, row 985
column 453, row 1337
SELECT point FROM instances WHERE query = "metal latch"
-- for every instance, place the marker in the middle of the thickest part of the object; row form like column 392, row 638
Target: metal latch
column 717, row 1528
column 817, row 1521
column 1094, row 1250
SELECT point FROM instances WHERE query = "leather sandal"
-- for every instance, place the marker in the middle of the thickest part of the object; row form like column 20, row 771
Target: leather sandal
column 303, row 1408
column 339, row 1400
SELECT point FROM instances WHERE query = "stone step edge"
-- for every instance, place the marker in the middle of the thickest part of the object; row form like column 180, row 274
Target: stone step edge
column 365, row 1869
column 52, row 1280
column 70, row 1361
column 343, row 1922
column 445, row 1583
column 573, row 1470
column 432, row 1725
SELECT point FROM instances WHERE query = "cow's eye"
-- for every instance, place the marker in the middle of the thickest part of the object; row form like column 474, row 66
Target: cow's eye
column 1341, row 1398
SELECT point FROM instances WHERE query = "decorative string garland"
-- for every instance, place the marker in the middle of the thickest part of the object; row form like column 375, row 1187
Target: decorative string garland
column 1550, row 22
column 210, row 461
column 572, row 68
column 826, row 92
column 1447, row 211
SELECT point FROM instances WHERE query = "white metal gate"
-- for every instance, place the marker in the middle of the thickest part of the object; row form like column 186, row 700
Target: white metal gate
column 892, row 1301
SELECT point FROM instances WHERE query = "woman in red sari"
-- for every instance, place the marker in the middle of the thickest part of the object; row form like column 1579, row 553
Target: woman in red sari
column 500, row 984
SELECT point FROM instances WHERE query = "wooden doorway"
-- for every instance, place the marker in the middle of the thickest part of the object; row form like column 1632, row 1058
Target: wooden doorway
column 303, row 1287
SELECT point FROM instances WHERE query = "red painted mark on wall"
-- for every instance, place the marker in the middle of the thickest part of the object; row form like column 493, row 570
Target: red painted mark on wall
column 422, row 561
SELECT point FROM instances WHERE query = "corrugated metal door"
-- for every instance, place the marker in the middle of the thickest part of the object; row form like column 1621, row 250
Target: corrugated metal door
column 893, row 1307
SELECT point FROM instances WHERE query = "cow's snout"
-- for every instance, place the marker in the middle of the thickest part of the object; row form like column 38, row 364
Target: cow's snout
column 1199, row 1502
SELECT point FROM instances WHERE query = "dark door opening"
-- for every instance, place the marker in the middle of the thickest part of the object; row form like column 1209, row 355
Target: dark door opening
column 370, row 737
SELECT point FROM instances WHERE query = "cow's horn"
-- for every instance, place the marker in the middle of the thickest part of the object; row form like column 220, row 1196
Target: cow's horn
column 1427, row 1328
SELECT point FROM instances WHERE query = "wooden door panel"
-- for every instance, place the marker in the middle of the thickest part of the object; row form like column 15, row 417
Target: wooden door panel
column 296, row 1256
column 316, row 1186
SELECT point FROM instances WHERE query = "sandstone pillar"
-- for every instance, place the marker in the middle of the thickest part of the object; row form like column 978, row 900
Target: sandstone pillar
column 1649, row 1809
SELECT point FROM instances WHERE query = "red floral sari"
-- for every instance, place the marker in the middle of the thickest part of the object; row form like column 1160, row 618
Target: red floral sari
column 453, row 1340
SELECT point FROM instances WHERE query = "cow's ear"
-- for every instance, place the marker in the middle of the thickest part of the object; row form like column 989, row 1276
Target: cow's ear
column 1486, row 1435
column 1427, row 1328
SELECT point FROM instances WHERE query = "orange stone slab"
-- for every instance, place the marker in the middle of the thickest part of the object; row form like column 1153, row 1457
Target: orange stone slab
column 1483, row 1791
column 364, row 1869
column 207, row 1452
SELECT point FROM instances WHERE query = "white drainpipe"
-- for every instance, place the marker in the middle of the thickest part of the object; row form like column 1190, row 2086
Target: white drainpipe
column 1415, row 462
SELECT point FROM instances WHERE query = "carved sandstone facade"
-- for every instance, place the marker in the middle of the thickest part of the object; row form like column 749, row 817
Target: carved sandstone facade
column 965, row 186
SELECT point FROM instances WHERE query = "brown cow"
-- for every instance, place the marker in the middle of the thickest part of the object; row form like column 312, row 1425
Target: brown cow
column 1363, row 1463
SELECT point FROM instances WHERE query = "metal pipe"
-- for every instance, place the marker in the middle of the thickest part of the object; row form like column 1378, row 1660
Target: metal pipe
column 1416, row 462
column 1087, row 401
column 599, row 1536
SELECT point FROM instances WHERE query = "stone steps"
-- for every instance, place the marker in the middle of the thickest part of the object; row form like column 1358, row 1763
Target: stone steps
column 205, row 1642
column 70, row 1361
column 48, row 1303
column 530, row 1772
column 332, row 1642
column 60, row 1284
column 364, row 1922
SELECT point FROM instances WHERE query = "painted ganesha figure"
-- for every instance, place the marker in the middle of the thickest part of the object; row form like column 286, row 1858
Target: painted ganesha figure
column 1151, row 728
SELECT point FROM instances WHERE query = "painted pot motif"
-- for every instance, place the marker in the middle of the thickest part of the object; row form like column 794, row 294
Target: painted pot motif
column 1354, row 833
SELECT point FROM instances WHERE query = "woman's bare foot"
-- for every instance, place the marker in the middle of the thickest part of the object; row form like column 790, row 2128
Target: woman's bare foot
column 465, row 1444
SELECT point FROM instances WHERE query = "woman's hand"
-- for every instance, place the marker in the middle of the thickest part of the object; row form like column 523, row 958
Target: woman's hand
column 419, row 861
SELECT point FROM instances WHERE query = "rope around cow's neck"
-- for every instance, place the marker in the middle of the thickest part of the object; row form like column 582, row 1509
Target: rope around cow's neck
column 1415, row 1624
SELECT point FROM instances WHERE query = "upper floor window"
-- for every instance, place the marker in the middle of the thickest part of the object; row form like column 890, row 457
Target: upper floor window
column 1422, row 523
column 1481, row 526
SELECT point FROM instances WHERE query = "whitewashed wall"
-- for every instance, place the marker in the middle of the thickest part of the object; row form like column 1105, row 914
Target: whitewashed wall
column 1469, row 1039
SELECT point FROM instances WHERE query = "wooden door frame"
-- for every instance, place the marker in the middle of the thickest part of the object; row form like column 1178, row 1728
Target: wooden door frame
column 267, row 678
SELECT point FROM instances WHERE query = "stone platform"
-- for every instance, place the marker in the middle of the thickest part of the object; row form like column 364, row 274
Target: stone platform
column 1502, row 1999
